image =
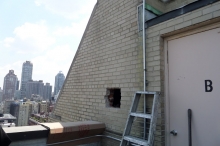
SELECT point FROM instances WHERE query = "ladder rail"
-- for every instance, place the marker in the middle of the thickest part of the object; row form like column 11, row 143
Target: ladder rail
column 129, row 122
column 126, row 139
column 135, row 102
column 154, row 119
column 132, row 109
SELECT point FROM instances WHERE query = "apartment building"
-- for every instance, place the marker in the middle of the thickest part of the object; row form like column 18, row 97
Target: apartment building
column 43, row 106
column 23, row 114
column 26, row 75
column 7, row 105
column 47, row 91
column 59, row 80
column 34, row 87
column 9, row 87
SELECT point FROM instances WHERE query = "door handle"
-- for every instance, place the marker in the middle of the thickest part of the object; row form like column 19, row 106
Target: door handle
column 173, row 132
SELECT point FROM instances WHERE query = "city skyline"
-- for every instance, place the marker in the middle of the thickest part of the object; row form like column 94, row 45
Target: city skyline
column 19, row 81
column 47, row 34
column 25, row 67
column 26, row 83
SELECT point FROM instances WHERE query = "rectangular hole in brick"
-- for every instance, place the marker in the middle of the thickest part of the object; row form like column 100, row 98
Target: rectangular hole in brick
column 113, row 97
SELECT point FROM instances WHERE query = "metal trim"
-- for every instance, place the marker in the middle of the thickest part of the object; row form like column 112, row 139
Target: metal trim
column 177, row 12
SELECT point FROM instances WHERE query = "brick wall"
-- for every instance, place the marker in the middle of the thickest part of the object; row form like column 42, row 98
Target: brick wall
column 155, row 48
column 155, row 54
column 110, row 55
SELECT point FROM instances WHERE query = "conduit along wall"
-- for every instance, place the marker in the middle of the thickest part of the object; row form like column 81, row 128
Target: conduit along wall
column 138, row 125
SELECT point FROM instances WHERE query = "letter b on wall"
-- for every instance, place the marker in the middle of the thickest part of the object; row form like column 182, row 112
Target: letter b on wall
column 208, row 86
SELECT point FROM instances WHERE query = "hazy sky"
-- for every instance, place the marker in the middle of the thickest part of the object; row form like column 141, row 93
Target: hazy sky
column 45, row 32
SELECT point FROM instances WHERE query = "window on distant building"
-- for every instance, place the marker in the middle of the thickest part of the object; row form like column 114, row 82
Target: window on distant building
column 113, row 97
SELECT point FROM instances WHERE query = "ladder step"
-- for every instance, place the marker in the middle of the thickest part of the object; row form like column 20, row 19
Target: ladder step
column 141, row 115
column 142, row 92
column 136, row 140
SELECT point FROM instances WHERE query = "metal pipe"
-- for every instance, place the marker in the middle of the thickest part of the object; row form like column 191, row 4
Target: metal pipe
column 144, row 51
column 189, row 126
column 144, row 66
column 84, row 139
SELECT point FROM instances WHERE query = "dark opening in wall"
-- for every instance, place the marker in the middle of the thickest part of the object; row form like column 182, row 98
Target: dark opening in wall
column 113, row 97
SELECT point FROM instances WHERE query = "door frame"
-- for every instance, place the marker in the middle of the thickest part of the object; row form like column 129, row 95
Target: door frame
column 166, row 71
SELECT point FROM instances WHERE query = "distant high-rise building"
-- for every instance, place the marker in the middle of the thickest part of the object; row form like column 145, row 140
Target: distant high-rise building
column 34, row 87
column 17, row 85
column 56, row 96
column 26, row 75
column 7, row 106
column 23, row 114
column 35, row 107
column 17, row 94
column 59, row 80
column 10, row 83
column 30, row 108
column 43, row 106
column 1, row 94
column 14, row 110
column 47, row 91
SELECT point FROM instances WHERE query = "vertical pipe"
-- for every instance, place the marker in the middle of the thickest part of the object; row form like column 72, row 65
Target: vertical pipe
column 189, row 126
column 144, row 66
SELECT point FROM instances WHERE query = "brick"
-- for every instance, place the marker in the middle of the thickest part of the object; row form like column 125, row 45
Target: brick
column 154, row 63
column 192, row 15
column 211, row 9
column 156, row 67
column 182, row 25
column 156, row 48
column 159, row 27
column 174, row 22
column 202, row 18
column 157, row 89
column 166, row 30
column 216, row 14
column 154, row 53
column 153, row 34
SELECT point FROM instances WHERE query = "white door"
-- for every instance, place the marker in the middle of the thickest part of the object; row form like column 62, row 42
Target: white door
column 194, row 83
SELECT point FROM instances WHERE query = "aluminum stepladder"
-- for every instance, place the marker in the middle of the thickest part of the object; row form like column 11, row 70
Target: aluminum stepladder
column 126, row 138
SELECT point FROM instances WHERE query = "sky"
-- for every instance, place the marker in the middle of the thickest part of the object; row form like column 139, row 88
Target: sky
column 45, row 32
